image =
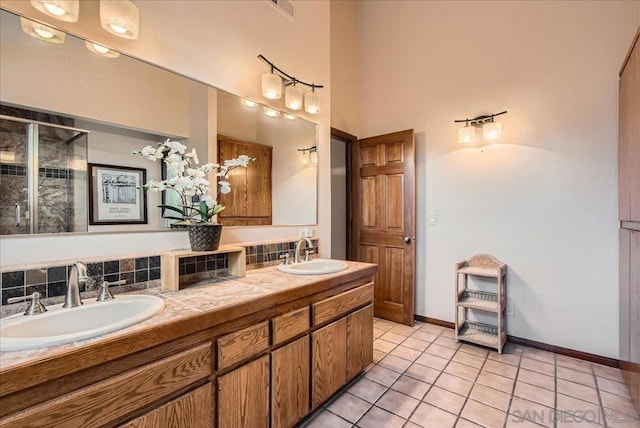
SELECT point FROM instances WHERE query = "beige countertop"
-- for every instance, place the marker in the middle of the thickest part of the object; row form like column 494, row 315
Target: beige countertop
column 190, row 302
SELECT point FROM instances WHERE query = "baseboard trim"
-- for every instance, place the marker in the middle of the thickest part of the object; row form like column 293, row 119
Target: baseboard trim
column 435, row 321
column 598, row 359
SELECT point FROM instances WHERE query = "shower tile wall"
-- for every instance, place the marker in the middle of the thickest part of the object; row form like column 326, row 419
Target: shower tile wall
column 58, row 183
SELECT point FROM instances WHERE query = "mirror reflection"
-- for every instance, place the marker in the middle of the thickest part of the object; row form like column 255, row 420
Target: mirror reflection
column 103, row 107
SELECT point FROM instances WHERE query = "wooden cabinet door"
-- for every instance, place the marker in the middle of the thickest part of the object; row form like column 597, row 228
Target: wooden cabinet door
column 193, row 410
column 328, row 360
column 290, row 383
column 629, row 137
column 243, row 396
column 359, row 341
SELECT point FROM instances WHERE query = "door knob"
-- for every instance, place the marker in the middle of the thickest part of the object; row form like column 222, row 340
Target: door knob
column 407, row 239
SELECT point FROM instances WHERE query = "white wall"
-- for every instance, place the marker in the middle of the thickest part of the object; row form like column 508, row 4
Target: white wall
column 216, row 43
column 543, row 200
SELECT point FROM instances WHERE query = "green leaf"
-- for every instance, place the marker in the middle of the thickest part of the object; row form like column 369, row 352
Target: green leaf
column 171, row 208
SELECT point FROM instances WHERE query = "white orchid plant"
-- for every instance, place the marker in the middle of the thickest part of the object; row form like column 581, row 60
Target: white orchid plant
column 190, row 181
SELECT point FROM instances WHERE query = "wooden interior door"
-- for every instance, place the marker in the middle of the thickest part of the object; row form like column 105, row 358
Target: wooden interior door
column 249, row 202
column 383, row 230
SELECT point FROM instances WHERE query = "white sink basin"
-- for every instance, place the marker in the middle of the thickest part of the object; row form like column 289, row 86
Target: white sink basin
column 314, row 267
column 59, row 325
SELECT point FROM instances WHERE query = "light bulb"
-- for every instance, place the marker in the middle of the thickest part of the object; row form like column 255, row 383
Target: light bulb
column 249, row 103
column 289, row 116
column 312, row 102
column 53, row 9
column 64, row 10
column 43, row 33
column 120, row 17
column 313, row 157
column 491, row 130
column 271, row 112
column 466, row 134
column 271, row 86
column 293, row 97
column 101, row 49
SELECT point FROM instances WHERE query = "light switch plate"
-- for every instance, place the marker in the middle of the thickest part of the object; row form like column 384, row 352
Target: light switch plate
column 432, row 219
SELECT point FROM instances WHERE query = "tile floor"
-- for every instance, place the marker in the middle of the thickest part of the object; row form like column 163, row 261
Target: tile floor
column 422, row 377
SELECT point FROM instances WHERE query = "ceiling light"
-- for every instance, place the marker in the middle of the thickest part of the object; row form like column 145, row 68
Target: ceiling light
column 42, row 32
column 312, row 102
column 120, row 17
column 270, row 112
column 101, row 50
column 491, row 130
column 293, row 97
column 64, row 10
column 271, row 86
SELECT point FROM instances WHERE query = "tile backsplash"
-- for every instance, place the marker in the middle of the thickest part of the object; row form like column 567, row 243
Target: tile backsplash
column 138, row 272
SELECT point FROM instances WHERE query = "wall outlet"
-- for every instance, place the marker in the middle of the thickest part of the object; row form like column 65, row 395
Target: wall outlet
column 432, row 219
column 511, row 308
column 305, row 232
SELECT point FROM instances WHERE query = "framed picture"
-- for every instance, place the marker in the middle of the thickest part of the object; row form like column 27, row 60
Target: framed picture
column 116, row 196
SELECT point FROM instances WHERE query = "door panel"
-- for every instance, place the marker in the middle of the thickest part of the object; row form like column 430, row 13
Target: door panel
column 290, row 383
column 383, row 215
column 329, row 361
column 359, row 341
column 395, row 201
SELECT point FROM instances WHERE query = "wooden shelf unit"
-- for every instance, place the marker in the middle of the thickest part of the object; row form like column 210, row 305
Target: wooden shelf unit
column 485, row 266
column 170, row 263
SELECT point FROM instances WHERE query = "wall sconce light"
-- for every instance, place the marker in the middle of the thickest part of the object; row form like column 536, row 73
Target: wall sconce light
column 293, row 96
column 491, row 130
column 41, row 31
column 272, row 88
column 270, row 112
column 248, row 103
column 120, row 17
column 64, row 10
column 101, row 50
column 309, row 155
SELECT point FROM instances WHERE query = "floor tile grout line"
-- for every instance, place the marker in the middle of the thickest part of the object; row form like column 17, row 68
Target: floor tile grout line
column 602, row 412
column 513, row 390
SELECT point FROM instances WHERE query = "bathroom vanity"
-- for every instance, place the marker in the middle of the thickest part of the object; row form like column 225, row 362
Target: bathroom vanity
column 259, row 351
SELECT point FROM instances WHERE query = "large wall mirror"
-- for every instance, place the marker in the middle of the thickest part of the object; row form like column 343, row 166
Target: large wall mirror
column 64, row 106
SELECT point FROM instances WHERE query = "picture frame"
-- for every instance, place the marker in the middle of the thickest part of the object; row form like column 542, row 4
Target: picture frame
column 116, row 195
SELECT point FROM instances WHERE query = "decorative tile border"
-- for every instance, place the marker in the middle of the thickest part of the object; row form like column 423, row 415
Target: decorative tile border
column 43, row 172
column 140, row 272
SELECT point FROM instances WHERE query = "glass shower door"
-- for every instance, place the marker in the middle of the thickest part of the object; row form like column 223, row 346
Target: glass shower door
column 14, row 183
column 62, row 180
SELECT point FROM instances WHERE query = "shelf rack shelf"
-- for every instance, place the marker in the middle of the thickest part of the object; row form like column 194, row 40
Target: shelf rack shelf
column 486, row 266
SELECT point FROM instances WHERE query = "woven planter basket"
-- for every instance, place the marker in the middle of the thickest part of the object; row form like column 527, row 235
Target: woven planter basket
column 205, row 236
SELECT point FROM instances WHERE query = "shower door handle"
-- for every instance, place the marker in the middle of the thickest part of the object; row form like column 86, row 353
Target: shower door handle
column 17, row 215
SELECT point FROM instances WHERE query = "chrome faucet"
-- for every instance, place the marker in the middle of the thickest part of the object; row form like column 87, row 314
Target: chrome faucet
column 77, row 276
column 296, row 254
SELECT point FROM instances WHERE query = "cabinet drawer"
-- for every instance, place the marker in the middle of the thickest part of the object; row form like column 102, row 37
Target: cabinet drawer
column 243, row 344
column 289, row 325
column 336, row 306
column 105, row 401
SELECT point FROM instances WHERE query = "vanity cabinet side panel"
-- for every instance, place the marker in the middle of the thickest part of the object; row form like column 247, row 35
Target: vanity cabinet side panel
column 193, row 410
column 329, row 361
column 290, row 383
column 359, row 341
column 243, row 396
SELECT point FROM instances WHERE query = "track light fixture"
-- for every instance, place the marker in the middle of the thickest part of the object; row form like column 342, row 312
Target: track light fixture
column 491, row 130
column 273, row 81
